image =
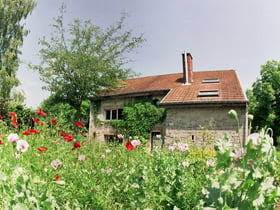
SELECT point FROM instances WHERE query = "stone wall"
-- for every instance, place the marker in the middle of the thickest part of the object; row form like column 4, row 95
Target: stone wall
column 203, row 125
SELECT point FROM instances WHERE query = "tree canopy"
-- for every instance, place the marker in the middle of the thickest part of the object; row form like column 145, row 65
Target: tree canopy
column 83, row 60
column 12, row 32
column 265, row 98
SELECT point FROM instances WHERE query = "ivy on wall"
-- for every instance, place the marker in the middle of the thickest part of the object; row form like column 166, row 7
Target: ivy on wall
column 138, row 119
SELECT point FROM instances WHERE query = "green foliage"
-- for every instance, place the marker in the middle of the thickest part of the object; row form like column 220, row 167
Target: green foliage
column 264, row 98
column 86, row 64
column 244, row 178
column 138, row 119
column 12, row 32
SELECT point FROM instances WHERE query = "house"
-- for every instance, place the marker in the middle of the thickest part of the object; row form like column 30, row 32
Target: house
column 196, row 102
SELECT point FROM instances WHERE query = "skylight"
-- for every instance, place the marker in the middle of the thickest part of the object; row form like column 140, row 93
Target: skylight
column 208, row 93
column 211, row 80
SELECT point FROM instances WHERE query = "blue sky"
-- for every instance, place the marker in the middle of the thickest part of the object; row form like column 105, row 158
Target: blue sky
column 220, row 35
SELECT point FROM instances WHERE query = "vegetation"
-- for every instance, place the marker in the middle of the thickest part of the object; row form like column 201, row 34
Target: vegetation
column 12, row 32
column 83, row 61
column 265, row 99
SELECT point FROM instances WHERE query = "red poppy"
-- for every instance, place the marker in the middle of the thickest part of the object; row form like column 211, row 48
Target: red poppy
column 79, row 124
column 77, row 144
column 12, row 114
column 14, row 123
column 42, row 149
column 54, row 122
column 27, row 133
column 68, row 138
column 43, row 124
column 13, row 119
column 35, row 120
column 129, row 146
column 1, row 116
column 62, row 133
column 33, row 131
column 56, row 177
column 41, row 112
column 1, row 142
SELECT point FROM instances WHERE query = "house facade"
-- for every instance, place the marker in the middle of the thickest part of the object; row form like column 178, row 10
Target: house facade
column 196, row 103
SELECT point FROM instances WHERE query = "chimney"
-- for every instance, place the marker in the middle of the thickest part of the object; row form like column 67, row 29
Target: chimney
column 187, row 68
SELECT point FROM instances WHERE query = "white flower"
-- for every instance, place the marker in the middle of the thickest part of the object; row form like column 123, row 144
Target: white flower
column 183, row 147
column 255, row 139
column 186, row 164
column 172, row 148
column 56, row 163
column 107, row 151
column 135, row 143
column 13, row 138
column 102, row 156
column 81, row 157
column 210, row 163
column 17, row 155
column 22, row 145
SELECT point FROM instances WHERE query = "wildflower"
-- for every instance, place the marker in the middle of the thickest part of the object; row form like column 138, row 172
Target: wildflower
column 183, row 147
column 102, row 156
column 33, row 131
column 41, row 112
column 109, row 171
column 54, row 122
column 17, row 155
column 12, row 114
column 76, row 145
column 56, row 163
column 13, row 137
column 120, row 136
column 35, row 120
column 82, row 158
column 26, row 133
column 238, row 154
column 1, row 142
column 22, row 145
column 79, row 124
column 107, row 151
column 136, row 143
column 1, row 116
column 129, row 146
column 14, row 123
column 56, row 177
column 68, row 138
column 62, row 133
column 210, row 163
column 172, row 148
column 186, row 164
column 255, row 139
column 42, row 149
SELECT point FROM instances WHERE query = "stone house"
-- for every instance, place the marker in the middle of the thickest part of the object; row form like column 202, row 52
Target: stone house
column 196, row 103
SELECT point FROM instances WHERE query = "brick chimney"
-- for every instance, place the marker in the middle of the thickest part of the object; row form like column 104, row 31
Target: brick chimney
column 187, row 68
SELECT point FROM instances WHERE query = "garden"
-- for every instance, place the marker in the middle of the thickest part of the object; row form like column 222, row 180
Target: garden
column 48, row 165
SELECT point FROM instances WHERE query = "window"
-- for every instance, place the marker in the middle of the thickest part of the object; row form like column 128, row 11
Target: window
column 211, row 80
column 208, row 93
column 113, row 114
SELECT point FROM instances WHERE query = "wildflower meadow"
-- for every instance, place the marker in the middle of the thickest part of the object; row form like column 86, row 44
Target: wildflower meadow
column 52, row 166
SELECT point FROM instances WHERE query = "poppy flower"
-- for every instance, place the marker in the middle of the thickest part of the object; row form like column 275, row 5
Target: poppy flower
column 13, row 137
column 62, row 133
column 42, row 149
column 77, row 144
column 33, row 131
column 68, row 138
column 27, row 133
column 56, row 163
column 1, row 142
column 79, row 124
column 1, row 116
column 22, row 145
column 129, row 146
column 14, row 123
column 12, row 114
column 56, row 177
column 41, row 112
column 35, row 120
column 54, row 122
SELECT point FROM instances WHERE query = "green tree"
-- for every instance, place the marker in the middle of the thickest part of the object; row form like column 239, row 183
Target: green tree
column 264, row 98
column 83, row 60
column 12, row 32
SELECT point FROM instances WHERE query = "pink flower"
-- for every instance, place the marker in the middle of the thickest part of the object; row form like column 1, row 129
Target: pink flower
column 56, row 163
column 120, row 136
column 172, row 148
column 136, row 143
column 13, row 138
column 255, row 139
column 238, row 154
column 109, row 171
column 186, row 164
column 183, row 147
column 210, row 163
column 22, row 145
column 17, row 155
column 82, row 158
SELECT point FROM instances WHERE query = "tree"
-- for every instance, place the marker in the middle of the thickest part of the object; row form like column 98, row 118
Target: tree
column 11, row 39
column 264, row 98
column 86, row 61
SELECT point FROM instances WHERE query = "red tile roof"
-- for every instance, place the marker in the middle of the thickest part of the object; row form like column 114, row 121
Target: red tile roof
column 229, row 88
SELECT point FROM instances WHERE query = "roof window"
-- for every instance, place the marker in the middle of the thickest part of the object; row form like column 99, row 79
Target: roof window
column 208, row 93
column 211, row 80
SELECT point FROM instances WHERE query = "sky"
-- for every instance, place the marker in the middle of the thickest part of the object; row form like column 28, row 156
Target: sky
column 219, row 34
